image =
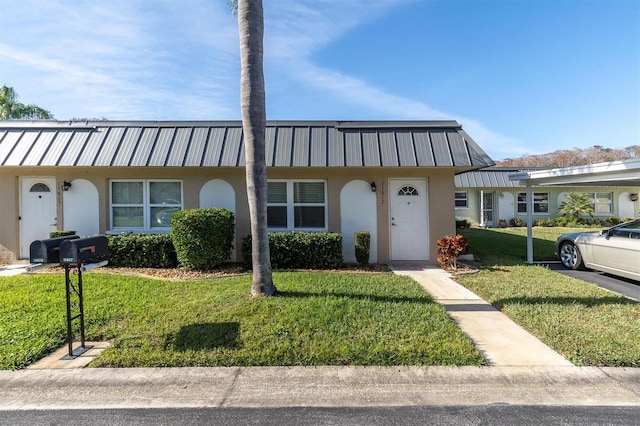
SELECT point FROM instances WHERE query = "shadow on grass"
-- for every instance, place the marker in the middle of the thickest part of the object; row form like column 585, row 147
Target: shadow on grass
column 565, row 301
column 369, row 297
column 205, row 336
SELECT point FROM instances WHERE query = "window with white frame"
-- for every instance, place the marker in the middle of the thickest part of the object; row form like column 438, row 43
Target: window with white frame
column 296, row 205
column 601, row 202
column 144, row 204
column 461, row 200
column 540, row 202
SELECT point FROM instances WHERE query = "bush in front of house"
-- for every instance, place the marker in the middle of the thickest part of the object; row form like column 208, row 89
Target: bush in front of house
column 516, row 221
column 463, row 224
column 548, row 223
column 203, row 238
column 57, row 234
column 613, row 220
column 300, row 250
column 449, row 248
column 142, row 251
column 362, row 241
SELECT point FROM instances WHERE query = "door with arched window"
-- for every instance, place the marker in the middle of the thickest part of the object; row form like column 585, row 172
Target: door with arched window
column 38, row 214
column 409, row 219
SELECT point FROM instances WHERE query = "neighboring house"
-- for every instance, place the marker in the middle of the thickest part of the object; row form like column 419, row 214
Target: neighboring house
column 394, row 179
column 485, row 197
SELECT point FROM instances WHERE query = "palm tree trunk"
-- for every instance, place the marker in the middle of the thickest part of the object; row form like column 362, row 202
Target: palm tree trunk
column 252, row 99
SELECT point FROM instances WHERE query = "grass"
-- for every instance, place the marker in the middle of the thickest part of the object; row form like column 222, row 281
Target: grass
column 509, row 245
column 586, row 324
column 318, row 319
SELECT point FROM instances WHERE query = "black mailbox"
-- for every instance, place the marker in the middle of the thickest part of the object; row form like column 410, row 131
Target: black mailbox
column 48, row 251
column 84, row 250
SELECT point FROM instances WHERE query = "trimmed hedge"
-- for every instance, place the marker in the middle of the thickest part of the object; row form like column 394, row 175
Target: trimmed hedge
column 300, row 250
column 57, row 234
column 363, row 247
column 463, row 224
column 203, row 238
column 142, row 251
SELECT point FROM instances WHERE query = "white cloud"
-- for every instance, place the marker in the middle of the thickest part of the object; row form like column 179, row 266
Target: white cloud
column 163, row 60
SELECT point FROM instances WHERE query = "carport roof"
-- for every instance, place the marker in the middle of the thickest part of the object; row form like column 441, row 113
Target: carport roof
column 614, row 173
column 220, row 144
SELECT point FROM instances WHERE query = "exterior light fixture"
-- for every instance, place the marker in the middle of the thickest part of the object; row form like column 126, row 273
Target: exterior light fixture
column 373, row 187
column 633, row 197
column 66, row 185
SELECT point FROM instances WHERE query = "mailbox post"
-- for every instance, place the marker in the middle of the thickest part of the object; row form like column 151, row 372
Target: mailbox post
column 81, row 254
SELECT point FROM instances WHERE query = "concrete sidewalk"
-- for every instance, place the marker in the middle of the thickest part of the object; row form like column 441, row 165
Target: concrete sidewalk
column 503, row 342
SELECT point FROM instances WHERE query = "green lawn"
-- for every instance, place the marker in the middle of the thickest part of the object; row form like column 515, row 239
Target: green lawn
column 318, row 319
column 586, row 324
column 321, row 318
column 509, row 245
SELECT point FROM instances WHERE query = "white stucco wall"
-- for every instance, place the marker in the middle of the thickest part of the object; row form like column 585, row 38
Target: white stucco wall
column 80, row 208
column 358, row 213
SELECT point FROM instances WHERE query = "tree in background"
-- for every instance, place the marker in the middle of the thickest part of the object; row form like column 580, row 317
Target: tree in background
column 576, row 205
column 11, row 109
column 252, row 100
column 573, row 157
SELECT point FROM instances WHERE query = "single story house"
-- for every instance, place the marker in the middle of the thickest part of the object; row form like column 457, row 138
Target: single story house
column 394, row 179
column 488, row 196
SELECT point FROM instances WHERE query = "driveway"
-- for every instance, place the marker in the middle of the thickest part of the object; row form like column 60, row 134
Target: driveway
column 624, row 286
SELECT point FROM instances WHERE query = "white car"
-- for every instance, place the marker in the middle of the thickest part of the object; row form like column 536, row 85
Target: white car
column 615, row 250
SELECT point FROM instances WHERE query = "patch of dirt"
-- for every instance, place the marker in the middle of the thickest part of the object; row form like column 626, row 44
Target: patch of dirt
column 225, row 270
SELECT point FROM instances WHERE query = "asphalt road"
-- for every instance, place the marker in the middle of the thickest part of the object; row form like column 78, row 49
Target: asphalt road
column 624, row 286
column 374, row 416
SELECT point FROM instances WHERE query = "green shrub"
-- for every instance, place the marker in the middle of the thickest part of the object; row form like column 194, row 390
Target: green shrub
column 203, row 238
column 613, row 220
column 363, row 247
column 544, row 222
column 300, row 250
column 142, row 251
column 56, row 234
column 516, row 221
column 463, row 224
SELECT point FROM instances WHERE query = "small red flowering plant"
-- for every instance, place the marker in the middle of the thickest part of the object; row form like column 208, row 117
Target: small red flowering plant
column 449, row 248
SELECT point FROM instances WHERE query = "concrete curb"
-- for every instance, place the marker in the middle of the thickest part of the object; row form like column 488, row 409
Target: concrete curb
column 317, row 387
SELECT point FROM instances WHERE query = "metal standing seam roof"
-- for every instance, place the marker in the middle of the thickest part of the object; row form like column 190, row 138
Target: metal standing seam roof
column 220, row 144
column 488, row 178
column 620, row 173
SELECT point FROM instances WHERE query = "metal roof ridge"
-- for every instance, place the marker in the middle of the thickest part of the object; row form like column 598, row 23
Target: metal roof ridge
column 92, row 124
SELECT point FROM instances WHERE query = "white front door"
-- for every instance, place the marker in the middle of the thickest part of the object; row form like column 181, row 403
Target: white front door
column 409, row 220
column 37, row 211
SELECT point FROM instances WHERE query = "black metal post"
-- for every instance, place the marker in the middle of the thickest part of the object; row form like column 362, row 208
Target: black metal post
column 81, row 306
column 69, row 319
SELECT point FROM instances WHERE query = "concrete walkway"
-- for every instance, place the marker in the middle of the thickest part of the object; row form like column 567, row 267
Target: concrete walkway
column 503, row 342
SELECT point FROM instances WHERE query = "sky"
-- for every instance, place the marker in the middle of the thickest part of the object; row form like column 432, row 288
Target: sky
column 522, row 77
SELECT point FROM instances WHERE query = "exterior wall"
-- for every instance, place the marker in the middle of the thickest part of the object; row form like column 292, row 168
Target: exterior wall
column 506, row 200
column 440, row 184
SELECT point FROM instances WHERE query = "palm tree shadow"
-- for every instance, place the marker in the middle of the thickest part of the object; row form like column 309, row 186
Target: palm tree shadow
column 585, row 301
column 205, row 336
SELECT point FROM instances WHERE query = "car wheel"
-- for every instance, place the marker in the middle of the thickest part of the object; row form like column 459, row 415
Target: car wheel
column 570, row 256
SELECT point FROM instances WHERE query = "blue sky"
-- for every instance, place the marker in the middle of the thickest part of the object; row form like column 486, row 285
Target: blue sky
column 521, row 76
